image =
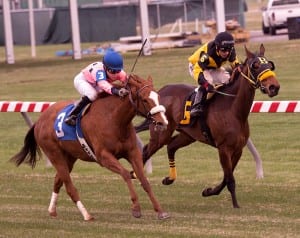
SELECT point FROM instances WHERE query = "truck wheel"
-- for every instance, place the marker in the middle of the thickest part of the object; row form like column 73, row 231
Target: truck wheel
column 273, row 30
column 265, row 29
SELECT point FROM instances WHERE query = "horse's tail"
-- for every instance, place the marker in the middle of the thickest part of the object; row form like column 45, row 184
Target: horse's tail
column 29, row 151
column 144, row 126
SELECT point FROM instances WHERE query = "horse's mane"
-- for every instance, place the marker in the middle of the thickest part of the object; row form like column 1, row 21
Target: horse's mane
column 139, row 80
column 103, row 95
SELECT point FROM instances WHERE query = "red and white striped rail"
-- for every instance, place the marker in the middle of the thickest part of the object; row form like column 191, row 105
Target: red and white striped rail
column 275, row 106
column 19, row 106
column 257, row 106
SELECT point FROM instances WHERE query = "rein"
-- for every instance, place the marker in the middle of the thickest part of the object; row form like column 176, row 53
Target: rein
column 252, row 80
column 225, row 94
column 136, row 106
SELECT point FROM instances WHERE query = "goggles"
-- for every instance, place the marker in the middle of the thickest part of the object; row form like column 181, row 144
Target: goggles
column 113, row 71
column 225, row 49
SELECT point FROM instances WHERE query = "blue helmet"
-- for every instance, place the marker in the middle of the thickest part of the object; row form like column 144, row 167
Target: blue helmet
column 113, row 60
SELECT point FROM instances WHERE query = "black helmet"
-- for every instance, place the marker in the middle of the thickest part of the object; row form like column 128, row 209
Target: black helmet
column 224, row 40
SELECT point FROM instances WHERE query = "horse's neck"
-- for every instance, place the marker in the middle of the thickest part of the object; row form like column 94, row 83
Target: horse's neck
column 125, row 113
column 119, row 111
column 244, row 98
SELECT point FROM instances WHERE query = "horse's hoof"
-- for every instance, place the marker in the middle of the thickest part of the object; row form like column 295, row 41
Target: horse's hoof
column 133, row 175
column 53, row 214
column 89, row 218
column 163, row 215
column 136, row 214
column 167, row 181
column 206, row 192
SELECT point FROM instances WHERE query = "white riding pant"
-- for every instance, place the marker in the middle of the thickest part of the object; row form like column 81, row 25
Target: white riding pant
column 84, row 87
column 213, row 76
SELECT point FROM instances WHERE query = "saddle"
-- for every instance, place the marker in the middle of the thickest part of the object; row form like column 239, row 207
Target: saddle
column 65, row 132
column 188, row 121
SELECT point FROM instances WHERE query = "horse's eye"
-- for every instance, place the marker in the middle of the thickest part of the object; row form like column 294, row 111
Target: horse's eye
column 255, row 65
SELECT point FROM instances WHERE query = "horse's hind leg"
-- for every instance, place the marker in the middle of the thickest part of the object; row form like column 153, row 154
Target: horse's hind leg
column 54, row 197
column 177, row 142
column 64, row 165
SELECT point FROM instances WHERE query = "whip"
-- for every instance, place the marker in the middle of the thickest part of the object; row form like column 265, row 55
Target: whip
column 136, row 59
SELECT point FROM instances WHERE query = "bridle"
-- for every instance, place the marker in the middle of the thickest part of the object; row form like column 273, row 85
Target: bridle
column 136, row 102
column 258, row 69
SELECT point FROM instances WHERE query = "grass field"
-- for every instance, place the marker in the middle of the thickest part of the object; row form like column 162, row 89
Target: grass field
column 269, row 207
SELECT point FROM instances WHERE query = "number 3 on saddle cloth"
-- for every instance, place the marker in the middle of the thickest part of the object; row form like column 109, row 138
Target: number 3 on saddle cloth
column 188, row 121
column 65, row 132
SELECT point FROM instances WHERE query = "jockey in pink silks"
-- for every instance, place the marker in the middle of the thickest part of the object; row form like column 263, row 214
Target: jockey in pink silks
column 98, row 77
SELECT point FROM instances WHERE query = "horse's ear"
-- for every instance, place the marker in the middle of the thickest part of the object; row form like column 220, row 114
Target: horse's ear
column 150, row 79
column 248, row 53
column 262, row 50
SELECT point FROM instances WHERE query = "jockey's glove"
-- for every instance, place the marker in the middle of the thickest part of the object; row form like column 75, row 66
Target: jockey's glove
column 122, row 92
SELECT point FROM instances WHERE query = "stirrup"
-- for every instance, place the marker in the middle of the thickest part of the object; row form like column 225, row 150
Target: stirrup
column 71, row 120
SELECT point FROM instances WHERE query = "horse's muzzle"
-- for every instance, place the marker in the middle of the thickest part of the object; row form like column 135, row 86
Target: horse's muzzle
column 272, row 90
column 158, row 126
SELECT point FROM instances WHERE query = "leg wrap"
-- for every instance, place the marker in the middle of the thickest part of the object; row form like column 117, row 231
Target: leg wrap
column 172, row 170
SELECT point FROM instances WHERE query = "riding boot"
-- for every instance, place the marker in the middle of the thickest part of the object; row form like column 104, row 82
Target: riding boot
column 72, row 116
column 199, row 101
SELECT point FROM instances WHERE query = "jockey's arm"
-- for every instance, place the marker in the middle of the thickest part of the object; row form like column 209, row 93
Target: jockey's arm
column 105, row 86
column 197, row 71
column 109, row 88
column 201, row 65
column 235, row 63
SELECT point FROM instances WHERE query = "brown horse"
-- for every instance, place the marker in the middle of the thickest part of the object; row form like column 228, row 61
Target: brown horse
column 226, row 117
column 109, row 132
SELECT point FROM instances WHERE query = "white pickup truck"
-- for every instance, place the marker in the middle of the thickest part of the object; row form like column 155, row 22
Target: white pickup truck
column 275, row 15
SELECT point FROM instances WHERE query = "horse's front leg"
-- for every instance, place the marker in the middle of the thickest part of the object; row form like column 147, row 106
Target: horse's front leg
column 228, row 179
column 137, row 164
column 214, row 191
column 110, row 162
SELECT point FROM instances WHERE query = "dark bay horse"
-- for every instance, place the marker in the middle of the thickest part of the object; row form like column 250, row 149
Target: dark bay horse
column 109, row 131
column 226, row 115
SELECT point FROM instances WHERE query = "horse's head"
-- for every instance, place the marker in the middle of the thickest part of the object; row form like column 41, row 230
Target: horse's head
column 261, row 72
column 146, row 100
